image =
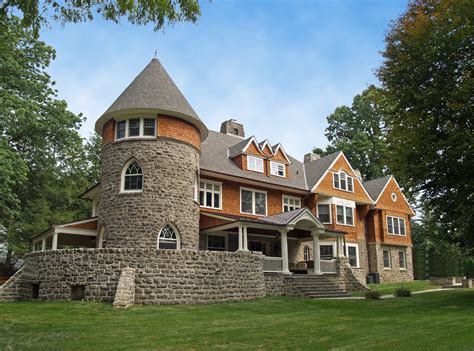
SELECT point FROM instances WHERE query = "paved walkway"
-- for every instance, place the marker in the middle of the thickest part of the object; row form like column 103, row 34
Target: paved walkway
column 389, row 296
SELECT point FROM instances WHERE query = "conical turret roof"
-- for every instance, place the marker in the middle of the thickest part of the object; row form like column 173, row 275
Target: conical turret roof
column 153, row 91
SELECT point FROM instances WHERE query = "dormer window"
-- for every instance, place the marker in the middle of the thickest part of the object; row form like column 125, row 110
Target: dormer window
column 255, row 164
column 135, row 127
column 277, row 169
column 342, row 181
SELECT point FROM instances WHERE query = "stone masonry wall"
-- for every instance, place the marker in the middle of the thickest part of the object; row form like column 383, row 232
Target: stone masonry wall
column 161, row 276
column 395, row 273
column 133, row 220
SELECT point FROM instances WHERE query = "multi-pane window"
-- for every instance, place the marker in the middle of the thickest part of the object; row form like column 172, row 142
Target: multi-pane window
column 149, row 126
column 344, row 215
column 277, row 169
column 216, row 242
column 255, row 164
column 352, row 255
column 168, row 238
column 121, row 129
column 396, row 226
column 326, row 252
column 253, row 202
column 135, row 127
column 258, row 246
column 402, row 258
column 324, row 213
column 210, row 194
column 342, row 181
column 387, row 262
column 306, row 255
column 133, row 177
column 291, row 203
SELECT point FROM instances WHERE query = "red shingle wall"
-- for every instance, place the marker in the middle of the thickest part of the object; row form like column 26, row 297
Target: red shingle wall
column 108, row 132
column 176, row 128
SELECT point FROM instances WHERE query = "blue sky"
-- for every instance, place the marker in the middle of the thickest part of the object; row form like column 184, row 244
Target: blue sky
column 279, row 67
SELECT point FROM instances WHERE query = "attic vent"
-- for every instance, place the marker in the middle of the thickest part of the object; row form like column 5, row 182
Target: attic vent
column 231, row 127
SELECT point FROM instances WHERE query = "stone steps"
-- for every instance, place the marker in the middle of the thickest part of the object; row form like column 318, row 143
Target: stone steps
column 316, row 286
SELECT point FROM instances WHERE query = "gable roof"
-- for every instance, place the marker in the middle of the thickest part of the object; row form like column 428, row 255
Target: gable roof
column 154, row 91
column 218, row 147
column 376, row 186
column 240, row 147
column 316, row 169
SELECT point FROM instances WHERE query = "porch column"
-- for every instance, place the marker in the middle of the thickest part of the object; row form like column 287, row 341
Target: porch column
column 316, row 253
column 284, row 250
column 246, row 248
column 43, row 244
column 340, row 248
column 241, row 245
column 55, row 241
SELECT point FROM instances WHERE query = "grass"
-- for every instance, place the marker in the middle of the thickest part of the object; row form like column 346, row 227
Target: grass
column 389, row 288
column 433, row 321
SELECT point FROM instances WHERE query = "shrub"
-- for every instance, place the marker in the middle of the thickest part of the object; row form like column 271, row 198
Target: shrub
column 402, row 292
column 372, row 295
column 469, row 267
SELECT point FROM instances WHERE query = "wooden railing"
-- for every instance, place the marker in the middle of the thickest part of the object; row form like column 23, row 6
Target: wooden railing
column 272, row 264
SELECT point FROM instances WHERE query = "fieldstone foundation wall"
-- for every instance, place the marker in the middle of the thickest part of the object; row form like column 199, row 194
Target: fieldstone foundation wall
column 161, row 276
column 275, row 283
column 125, row 293
column 395, row 273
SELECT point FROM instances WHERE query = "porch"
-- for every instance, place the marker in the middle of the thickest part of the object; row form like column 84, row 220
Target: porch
column 290, row 241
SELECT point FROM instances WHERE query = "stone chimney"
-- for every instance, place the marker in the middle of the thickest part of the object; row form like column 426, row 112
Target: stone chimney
column 231, row 127
column 311, row 157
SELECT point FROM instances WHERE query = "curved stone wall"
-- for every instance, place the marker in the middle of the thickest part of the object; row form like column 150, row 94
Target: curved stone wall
column 161, row 276
column 133, row 220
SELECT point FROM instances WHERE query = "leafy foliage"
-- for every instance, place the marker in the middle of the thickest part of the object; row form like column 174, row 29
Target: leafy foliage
column 427, row 78
column 160, row 13
column 372, row 295
column 402, row 292
column 43, row 166
column 359, row 131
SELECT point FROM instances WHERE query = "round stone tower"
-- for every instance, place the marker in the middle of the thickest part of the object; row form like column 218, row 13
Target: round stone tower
column 150, row 164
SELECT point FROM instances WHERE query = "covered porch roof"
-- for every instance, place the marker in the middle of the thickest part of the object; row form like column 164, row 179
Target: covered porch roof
column 301, row 219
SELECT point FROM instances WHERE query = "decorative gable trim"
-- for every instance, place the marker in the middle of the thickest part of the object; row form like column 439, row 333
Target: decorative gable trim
column 277, row 147
column 252, row 140
column 401, row 192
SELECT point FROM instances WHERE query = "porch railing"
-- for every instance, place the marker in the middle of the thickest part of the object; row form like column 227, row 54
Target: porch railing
column 272, row 264
column 328, row 266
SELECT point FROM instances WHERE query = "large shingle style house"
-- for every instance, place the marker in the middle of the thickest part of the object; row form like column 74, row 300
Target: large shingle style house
column 184, row 214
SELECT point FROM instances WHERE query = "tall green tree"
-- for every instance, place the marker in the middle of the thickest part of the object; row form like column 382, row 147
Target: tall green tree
column 36, row 13
column 42, row 161
column 427, row 75
column 359, row 131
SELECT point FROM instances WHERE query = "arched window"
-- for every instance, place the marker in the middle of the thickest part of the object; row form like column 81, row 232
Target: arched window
column 132, row 177
column 306, row 256
column 168, row 238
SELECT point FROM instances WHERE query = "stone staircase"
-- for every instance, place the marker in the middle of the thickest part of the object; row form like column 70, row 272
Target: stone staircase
column 314, row 286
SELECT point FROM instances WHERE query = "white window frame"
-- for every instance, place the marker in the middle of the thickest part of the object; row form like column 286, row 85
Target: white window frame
column 404, row 260
column 357, row 253
column 253, row 201
column 347, row 177
column 306, row 253
column 276, row 165
column 140, row 133
column 122, row 181
column 345, row 216
column 257, row 161
column 205, row 181
column 330, row 212
column 389, row 259
column 196, row 185
column 226, row 241
column 287, row 197
column 176, row 232
column 398, row 219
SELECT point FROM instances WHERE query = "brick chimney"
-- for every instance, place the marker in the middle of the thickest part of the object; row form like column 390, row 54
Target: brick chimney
column 231, row 127
column 311, row 157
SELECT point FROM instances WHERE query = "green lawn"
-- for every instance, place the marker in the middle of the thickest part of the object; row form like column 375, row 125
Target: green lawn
column 389, row 288
column 434, row 321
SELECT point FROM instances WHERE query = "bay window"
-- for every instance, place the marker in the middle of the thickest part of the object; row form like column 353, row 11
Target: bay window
column 396, row 226
column 135, row 127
